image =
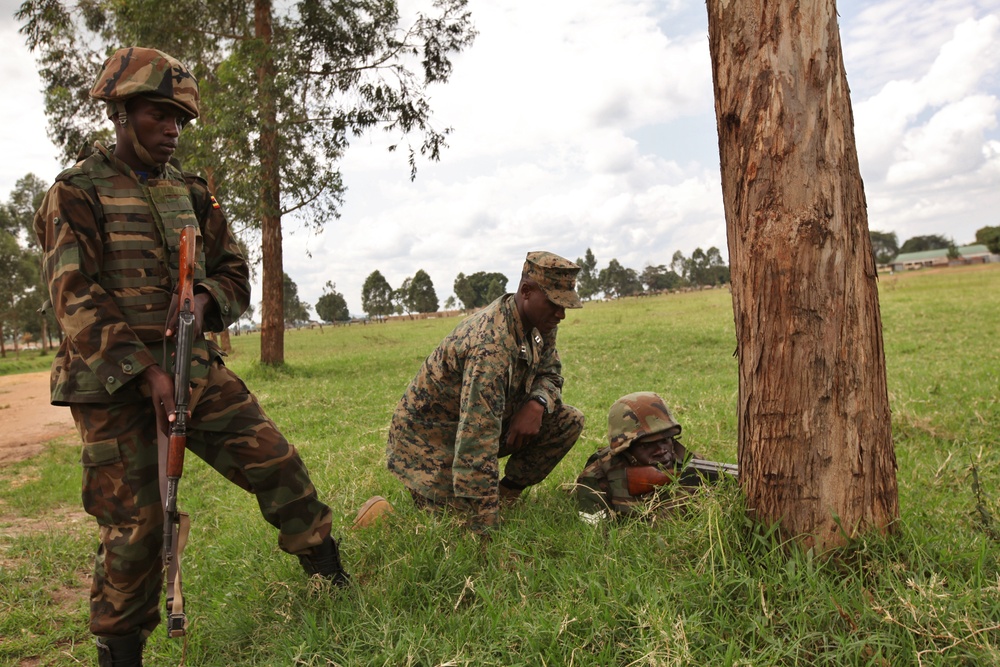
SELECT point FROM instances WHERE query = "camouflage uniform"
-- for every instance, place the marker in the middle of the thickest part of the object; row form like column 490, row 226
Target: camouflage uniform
column 110, row 239
column 450, row 428
column 602, row 488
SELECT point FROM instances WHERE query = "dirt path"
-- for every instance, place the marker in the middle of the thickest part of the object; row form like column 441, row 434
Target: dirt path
column 27, row 420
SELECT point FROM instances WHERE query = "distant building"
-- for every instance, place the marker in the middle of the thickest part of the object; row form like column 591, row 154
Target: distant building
column 968, row 254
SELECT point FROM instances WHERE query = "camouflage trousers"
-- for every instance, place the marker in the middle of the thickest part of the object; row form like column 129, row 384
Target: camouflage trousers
column 526, row 466
column 229, row 431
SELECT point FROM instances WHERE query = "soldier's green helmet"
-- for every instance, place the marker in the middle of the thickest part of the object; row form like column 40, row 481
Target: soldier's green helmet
column 636, row 415
column 153, row 74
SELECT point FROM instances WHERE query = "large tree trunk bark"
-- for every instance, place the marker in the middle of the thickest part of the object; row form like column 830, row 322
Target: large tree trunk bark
column 815, row 441
column 272, row 325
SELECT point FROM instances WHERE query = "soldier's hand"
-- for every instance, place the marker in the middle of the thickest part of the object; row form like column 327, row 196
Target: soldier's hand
column 161, row 389
column 203, row 304
column 172, row 316
column 525, row 424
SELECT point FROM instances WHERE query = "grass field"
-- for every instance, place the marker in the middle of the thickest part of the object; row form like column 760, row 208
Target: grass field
column 702, row 588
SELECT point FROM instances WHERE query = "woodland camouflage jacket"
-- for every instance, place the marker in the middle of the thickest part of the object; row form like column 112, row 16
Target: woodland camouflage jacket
column 603, row 485
column 110, row 253
column 445, row 433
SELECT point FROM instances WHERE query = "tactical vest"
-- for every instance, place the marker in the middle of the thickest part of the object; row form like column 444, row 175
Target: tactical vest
column 141, row 225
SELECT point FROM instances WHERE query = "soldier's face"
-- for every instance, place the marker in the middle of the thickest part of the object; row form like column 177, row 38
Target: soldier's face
column 653, row 449
column 157, row 127
column 541, row 313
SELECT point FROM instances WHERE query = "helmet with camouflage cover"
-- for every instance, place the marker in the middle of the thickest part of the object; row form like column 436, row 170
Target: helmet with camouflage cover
column 150, row 73
column 636, row 415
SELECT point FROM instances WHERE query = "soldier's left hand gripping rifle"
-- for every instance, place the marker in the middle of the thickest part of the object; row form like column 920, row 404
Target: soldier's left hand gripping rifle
column 176, row 524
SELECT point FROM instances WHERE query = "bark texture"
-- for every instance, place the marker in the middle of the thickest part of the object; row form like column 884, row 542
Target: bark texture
column 272, row 324
column 815, row 439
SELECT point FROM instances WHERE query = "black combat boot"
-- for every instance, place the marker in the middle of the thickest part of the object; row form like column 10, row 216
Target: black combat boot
column 120, row 651
column 325, row 562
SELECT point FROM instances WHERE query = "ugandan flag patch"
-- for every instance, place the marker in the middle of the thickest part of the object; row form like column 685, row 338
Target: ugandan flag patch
column 215, row 204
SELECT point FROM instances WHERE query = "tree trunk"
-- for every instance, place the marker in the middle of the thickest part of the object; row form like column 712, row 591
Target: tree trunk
column 272, row 325
column 815, row 440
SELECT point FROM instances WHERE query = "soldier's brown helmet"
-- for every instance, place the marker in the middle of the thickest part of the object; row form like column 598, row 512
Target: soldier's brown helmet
column 636, row 415
column 153, row 74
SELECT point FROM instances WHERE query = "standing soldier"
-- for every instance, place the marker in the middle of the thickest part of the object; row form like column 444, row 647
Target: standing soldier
column 109, row 228
column 491, row 389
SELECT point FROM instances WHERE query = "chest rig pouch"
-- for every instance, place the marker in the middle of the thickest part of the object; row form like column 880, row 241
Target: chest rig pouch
column 141, row 235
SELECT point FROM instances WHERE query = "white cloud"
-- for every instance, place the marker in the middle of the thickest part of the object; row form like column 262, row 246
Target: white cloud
column 948, row 144
column 591, row 124
column 22, row 114
column 924, row 134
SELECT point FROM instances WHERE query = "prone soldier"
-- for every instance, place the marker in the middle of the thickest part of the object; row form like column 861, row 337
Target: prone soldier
column 643, row 461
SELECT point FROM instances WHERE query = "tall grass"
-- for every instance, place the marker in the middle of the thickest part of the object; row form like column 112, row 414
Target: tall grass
column 703, row 587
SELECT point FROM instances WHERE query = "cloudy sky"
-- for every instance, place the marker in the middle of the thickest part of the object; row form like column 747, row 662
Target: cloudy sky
column 590, row 123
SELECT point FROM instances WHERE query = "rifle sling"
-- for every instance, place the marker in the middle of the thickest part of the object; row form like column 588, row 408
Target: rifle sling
column 176, row 620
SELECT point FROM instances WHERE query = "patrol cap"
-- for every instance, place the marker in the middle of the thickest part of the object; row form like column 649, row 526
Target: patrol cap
column 137, row 71
column 555, row 276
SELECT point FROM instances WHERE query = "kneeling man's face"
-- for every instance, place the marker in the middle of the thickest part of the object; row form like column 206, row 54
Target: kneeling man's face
column 542, row 313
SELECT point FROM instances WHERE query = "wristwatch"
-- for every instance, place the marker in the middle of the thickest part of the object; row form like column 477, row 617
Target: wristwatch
column 541, row 399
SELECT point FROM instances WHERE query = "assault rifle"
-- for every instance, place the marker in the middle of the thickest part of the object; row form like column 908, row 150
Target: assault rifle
column 176, row 524
column 646, row 479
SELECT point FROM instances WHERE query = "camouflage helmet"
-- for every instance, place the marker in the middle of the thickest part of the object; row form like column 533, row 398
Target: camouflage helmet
column 147, row 72
column 636, row 415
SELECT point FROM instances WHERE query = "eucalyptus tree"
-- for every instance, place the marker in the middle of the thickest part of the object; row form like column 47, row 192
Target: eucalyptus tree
column 885, row 246
column 989, row 237
column 295, row 309
column 929, row 242
column 331, row 306
column 23, row 289
column 421, row 296
column 480, row 288
column 587, row 284
column 815, row 445
column 617, row 280
column 284, row 87
column 376, row 296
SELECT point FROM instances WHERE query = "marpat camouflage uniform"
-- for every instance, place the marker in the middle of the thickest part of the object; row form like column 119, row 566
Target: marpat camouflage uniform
column 110, row 240
column 446, row 433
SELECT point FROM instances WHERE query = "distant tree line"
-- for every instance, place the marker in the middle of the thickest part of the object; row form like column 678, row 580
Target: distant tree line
column 415, row 295
column 22, row 287
column 702, row 268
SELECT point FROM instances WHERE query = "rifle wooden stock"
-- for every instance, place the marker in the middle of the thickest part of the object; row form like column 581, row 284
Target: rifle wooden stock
column 175, row 523
column 644, row 479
